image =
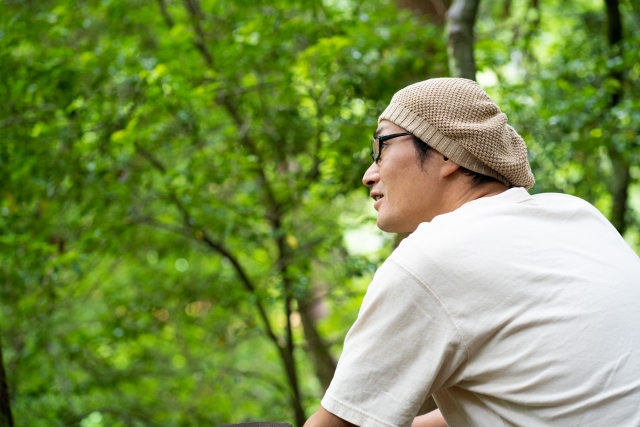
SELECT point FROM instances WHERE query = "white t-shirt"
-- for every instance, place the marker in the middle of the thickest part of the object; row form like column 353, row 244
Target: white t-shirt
column 513, row 310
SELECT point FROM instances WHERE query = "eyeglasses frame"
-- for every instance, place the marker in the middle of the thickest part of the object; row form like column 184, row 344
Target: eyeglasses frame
column 381, row 139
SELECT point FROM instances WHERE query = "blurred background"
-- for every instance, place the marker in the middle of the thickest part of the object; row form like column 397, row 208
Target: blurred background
column 184, row 236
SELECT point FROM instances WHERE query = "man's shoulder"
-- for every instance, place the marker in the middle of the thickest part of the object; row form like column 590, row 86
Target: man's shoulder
column 511, row 231
column 558, row 200
column 487, row 219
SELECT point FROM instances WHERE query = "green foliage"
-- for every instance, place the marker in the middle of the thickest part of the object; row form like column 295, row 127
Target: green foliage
column 155, row 152
column 552, row 70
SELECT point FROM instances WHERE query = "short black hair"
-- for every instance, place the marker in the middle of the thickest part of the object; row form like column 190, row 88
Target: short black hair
column 423, row 151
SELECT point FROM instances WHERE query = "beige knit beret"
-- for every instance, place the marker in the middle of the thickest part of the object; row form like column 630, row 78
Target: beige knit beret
column 458, row 119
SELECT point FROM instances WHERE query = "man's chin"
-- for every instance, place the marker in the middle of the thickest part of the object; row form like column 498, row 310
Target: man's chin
column 390, row 227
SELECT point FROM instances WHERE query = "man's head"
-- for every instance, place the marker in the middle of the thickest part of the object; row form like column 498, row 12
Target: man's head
column 469, row 152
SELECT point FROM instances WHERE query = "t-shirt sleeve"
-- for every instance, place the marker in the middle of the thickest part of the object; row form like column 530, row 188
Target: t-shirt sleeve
column 402, row 348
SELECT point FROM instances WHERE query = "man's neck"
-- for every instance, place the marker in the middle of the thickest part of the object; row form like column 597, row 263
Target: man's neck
column 466, row 193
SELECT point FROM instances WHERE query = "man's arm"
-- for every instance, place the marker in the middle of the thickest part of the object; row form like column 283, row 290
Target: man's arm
column 432, row 419
column 324, row 418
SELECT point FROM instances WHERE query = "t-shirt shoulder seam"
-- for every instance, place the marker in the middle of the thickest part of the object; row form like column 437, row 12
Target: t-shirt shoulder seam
column 360, row 411
column 440, row 303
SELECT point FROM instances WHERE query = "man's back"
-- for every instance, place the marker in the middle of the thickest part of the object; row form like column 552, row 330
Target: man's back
column 546, row 297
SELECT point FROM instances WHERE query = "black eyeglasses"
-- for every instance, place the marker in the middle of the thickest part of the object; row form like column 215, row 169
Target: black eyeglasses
column 377, row 148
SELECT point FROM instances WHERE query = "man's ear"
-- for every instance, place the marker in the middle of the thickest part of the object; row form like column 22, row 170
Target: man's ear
column 447, row 167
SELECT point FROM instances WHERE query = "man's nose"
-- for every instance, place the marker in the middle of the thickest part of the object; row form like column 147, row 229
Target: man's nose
column 371, row 176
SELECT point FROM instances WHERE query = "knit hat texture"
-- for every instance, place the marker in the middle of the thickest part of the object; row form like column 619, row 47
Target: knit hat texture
column 458, row 119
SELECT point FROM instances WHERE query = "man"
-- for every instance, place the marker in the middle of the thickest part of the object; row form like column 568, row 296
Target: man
column 510, row 309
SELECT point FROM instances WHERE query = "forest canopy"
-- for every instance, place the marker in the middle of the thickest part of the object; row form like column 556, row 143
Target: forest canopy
column 185, row 236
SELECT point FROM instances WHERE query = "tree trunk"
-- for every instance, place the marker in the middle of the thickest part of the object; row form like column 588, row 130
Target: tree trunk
column 614, row 36
column 461, row 19
column 619, row 188
column 6, row 420
column 435, row 10
column 619, row 185
column 296, row 397
column 323, row 362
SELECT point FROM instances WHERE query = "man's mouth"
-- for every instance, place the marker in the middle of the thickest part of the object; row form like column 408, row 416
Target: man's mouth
column 378, row 197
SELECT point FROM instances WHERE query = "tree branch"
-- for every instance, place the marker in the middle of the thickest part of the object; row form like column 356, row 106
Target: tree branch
column 147, row 155
column 196, row 15
column 253, row 149
column 168, row 20
column 286, row 349
column 248, row 284
column 212, row 244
